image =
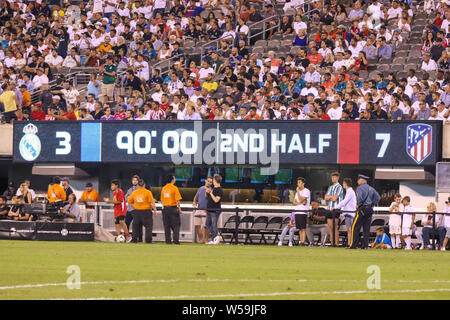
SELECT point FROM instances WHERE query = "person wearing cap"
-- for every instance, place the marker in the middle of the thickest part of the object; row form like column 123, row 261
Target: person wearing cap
column 10, row 192
column 367, row 197
column 89, row 195
column 55, row 192
column 37, row 112
column 143, row 202
column 170, row 198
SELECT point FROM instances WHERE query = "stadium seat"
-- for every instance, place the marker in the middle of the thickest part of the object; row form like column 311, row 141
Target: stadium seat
column 259, row 224
column 229, row 227
column 261, row 43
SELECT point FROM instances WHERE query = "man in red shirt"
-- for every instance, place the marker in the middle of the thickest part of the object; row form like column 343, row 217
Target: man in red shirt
column 68, row 115
column 37, row 112
column 120, row 209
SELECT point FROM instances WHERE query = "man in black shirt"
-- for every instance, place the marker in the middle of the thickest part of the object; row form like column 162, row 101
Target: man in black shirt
column 214, row 198
column 134, row 83
column 66, row 185
column 4, row 208
column 317, row 223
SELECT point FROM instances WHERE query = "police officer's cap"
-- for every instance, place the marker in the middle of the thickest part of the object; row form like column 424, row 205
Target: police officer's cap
column 361, row 176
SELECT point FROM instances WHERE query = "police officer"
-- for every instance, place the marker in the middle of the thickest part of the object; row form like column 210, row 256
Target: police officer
column 367, row 198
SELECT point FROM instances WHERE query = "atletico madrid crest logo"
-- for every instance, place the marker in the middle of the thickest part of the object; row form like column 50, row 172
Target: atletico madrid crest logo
column 418, row 144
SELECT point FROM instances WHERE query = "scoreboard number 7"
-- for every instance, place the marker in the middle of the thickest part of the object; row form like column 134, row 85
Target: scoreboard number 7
column 385, row 138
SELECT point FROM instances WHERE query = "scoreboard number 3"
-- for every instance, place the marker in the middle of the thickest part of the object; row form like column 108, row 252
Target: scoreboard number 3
column 64, row 145
column 385, row 138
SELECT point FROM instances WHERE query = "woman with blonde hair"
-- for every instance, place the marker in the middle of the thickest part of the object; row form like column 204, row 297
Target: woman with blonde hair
column 428, row 221
column 25, row 193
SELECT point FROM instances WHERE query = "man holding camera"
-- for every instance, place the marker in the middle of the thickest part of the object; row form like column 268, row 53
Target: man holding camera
column 70, row 212
column 317, row 223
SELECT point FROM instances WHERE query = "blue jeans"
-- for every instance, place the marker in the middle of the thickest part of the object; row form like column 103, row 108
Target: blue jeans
column 211, row 222
column 291, row 230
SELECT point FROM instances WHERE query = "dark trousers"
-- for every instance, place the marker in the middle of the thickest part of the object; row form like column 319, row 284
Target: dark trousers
column 438, row 232
column 363, row 219
column 142, row 218
column 172, row 222
column 129, row 218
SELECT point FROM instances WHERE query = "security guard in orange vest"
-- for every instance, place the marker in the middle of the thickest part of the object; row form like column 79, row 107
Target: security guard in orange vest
column 170, row 198
column 143, row 202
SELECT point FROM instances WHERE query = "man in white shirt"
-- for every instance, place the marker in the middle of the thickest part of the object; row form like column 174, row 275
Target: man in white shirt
column 142, row 70
column 301, row 203
column 54, row 60
column 71, row 94
column 122, row 10
column 348, row 206
column 309, row 89
column 312, row 75
column 394, row 12
column 205, row 70
column 72, row 60
column 110, row 7
column 428, row 64
column 335, row 112
column 40, row 78
column 339, row 61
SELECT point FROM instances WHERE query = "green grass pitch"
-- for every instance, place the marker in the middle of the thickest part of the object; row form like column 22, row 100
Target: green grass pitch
column 37, row 270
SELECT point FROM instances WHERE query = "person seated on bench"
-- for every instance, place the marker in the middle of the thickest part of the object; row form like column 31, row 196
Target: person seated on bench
column 70, row 212
column 4, row 208
column 317, row 223
column 427, row 223
column 289, row 228
column 18, row 211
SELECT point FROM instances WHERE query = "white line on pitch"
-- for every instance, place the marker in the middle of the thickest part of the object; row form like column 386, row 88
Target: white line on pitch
column 269, row 294
column 42, row 285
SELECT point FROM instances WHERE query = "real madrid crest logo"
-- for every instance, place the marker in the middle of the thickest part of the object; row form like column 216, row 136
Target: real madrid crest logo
column 30, row 145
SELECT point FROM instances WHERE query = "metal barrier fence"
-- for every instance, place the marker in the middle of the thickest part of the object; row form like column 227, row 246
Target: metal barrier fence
column 103, row 214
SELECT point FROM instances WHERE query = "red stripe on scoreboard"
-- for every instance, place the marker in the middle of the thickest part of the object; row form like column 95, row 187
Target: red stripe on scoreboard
column 349, row 135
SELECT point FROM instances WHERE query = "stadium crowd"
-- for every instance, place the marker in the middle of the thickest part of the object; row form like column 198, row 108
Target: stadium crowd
column 336, row 49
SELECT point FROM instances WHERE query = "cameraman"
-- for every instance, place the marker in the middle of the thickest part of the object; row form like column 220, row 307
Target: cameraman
column 71, row 212
column 317, row 223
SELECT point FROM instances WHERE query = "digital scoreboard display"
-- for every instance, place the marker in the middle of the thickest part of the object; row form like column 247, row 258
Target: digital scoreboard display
column 258, row 143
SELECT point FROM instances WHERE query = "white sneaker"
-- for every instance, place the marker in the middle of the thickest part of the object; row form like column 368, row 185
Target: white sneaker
column 290, row 244
column 443, row 249
column 216, row 240
column 128, row 239
column 408, row 248
column 280, row 244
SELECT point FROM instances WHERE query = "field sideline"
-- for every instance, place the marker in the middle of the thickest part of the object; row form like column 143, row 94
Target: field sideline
column 37, row 270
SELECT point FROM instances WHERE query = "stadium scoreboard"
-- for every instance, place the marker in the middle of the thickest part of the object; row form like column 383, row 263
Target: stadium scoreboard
column 257, row 143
